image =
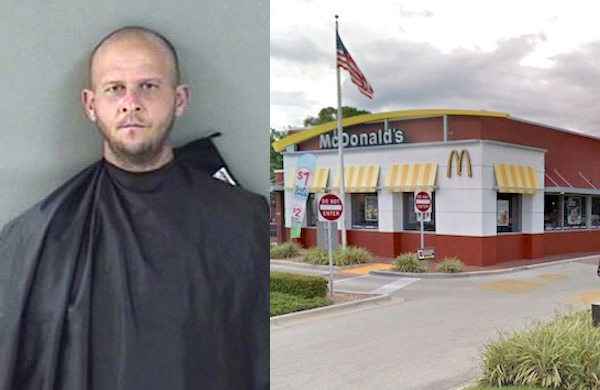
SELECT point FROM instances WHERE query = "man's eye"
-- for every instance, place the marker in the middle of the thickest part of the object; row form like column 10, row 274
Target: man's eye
column 114, row 89
column 149, row 86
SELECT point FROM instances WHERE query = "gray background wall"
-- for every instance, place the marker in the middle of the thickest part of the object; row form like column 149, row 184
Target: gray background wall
column 44, row 136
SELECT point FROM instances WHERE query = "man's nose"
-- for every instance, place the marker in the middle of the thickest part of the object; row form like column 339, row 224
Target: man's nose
column 131, row 102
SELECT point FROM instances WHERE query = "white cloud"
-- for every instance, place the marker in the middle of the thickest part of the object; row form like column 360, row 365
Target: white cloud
column 531, row 59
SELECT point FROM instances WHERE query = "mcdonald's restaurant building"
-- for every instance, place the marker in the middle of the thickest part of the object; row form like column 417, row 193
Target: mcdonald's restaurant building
column 503, row 188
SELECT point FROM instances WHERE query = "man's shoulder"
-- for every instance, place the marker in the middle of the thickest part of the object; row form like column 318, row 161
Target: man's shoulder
column 236, row 192
column 201, row 174
column 228, row 199
column 201, row 163
column 64, row 199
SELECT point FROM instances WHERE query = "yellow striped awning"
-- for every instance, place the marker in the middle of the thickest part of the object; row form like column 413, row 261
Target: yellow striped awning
column 516, row 179
column 411, row 177
column 318, row 182
column 359, row 178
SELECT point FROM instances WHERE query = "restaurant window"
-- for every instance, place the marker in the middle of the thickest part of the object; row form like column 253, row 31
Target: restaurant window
column 508, row 213
column 365, row 211
column 595, row 212
column 311, row 210
column 410, row 216
column 574, row 212
column 552, row 212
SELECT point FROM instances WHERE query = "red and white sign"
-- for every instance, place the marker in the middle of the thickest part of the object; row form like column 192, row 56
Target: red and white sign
column 298, row 211
column 422, row 202
column 330, row 207
column 302, row 177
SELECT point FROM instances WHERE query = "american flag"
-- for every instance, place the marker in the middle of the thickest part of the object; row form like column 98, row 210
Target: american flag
column 344, row 59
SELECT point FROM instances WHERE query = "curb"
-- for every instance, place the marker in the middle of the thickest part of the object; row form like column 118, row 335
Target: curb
column 468, row 385
column 314, row 266
column 326, row 311
column 435, row 275
column 479, row 273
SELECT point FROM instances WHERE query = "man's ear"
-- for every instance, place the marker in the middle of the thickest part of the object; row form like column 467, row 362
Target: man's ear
column 87, row 100
column 182, row 96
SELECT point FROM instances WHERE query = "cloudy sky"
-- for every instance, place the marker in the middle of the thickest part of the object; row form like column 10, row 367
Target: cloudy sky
column 536, row 60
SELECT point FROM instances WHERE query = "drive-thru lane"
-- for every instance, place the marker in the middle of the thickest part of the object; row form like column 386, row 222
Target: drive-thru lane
column 432, row 339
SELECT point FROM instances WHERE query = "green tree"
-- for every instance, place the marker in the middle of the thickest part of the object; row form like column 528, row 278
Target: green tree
column 276, row 157
column 329, row 114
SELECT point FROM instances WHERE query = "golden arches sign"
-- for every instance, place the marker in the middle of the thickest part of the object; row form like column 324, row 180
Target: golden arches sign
column 459, row 159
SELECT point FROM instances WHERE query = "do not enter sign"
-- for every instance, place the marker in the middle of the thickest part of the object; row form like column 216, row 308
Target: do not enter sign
column 330, row 207
column 422, row 202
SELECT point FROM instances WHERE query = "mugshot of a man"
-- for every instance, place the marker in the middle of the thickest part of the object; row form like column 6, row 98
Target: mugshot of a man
column 142, row 271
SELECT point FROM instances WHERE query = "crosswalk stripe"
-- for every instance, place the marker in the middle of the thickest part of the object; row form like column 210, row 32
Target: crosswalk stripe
column 397, row 285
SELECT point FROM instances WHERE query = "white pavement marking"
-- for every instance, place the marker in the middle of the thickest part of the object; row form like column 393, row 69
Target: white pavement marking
column 397, row 285
column 351, row 278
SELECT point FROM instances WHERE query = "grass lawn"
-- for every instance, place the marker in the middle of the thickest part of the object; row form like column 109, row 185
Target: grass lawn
column 285, row 303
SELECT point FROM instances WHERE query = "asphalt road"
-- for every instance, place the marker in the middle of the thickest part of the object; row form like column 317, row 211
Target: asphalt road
column 433, row 338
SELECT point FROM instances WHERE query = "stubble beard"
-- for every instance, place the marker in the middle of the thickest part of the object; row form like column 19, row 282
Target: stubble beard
column 142, row 155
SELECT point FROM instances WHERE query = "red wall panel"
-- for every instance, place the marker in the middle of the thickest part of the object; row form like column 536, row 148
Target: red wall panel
column 478, row 251
column 571, row 242
column 510, row 247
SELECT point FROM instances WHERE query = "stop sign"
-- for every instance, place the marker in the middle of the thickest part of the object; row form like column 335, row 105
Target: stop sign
column 330, row 207
column 422, row 202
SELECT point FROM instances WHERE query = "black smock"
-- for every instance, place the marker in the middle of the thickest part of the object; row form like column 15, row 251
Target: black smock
column 127, row 281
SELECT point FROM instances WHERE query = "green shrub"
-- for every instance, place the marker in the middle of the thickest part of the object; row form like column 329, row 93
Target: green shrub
column 285, row 303
column 349, row 256
column 285, row 250
column 562, row 354
column 303, row 285
column 409, row 262
column 316, row 256
column 450, row 264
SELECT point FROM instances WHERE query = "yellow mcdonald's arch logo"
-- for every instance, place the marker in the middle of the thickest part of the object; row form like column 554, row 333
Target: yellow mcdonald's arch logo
column 459, row 159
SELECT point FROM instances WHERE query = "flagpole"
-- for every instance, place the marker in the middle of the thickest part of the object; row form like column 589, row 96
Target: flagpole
column 340, row 141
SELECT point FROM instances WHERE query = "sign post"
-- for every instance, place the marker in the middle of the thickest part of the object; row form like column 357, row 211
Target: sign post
column 330, row 208
column 422, row 205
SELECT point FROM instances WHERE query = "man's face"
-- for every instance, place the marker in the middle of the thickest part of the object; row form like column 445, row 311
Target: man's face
column 134, row 99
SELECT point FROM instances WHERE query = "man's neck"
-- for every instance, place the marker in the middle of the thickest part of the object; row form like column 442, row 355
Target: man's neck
column 163, row 158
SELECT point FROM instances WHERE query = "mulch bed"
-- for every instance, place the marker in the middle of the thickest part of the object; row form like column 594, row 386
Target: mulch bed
column 342, row 297
column 471, row 268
